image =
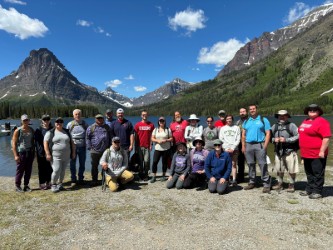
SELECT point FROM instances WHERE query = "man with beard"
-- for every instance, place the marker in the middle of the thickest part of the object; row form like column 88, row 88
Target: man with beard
column 178, row 126
column 241, row 156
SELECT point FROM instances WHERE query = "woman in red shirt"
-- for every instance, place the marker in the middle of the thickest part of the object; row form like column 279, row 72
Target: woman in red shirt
column 314, row 136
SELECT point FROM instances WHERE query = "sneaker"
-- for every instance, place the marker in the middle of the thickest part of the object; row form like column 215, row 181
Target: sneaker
column 43, row 187
column 60, row 187
column 54, row 189
column 315, row 196
column 164, row 178
column 153, row 179
column 19, row 190
column 291, row 188
column 27, row 189
column 233, row 183
column 304, row 193
column 249, row 186
column 266, row 190
column 278, row 186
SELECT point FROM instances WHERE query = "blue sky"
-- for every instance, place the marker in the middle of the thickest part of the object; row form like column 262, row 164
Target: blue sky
column 135, row 46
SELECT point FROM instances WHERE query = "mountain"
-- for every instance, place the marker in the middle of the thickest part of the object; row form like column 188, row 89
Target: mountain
column 43, row 80
column 170, row 89
column 268, row 42
column 295, row 75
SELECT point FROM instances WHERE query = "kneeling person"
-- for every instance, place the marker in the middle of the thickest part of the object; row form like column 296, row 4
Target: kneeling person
column 115, row 162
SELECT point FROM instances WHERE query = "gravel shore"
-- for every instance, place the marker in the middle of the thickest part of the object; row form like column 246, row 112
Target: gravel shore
column 149, row 216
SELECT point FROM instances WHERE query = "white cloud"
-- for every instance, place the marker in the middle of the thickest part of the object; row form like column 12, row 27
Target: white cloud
column 113, row 83
column 297, row 11
column 130, row 77
column 15, row 2
column 189, row 19
column 160, row 10
column 195, row 69
column 99, row 30
column 140, row 88
column 83, row 23
column 220, row 53
column 328, row 1
column 20, row 24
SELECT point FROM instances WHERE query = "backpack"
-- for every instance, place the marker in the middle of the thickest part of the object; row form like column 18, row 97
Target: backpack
column 73, row 124
column 293, row 145
column 166, row 128
column 93, row 127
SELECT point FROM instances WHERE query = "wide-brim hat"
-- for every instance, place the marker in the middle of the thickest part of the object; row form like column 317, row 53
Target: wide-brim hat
column 193, row 117
column 198, row 139
column 282, row 112
column 313, row 106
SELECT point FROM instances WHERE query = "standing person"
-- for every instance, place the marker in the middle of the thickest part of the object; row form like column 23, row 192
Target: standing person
column 210, row 134
column 192, row 131
column 230, row 136
column 44, row 166
column 255, row 139
column 109, row 117
column 218, row 169
column 143, row 145
column 285, row 139
column 123, row 129
column 198, row 155
column 59, row 148
column 23, row 150
column 97, row 140
column 241, row 157
column 162, row 136
column 180, row 167
column 314, row 138
column 115, row 163
column 78, row 128
column 178, row 126
column 221, row 122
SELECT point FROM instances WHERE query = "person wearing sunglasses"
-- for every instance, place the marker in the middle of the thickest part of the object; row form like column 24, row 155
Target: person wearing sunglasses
column 114, row 161
column 314, row 138
column 210, row 134
column 44, row 166
column 218, row 166
column 59, row 149
column 23, row 150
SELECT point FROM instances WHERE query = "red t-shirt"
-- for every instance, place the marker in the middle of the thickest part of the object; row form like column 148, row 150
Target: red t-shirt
column 311, row 134
column 178, row 131
column 219, row 124
column 144, row 131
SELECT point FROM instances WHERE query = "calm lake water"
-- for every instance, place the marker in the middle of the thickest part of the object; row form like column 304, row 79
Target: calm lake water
column 8, row 166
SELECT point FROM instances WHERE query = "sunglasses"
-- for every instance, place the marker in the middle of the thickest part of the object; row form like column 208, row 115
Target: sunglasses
column 217, row 145
column 313, row 110
column 60, row 121
column 26, row 120
column 46, row 119
column 116, row 142
column 209, row 121
column 161, row 120
column 99, row 118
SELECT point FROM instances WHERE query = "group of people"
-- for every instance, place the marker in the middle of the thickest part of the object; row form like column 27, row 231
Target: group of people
column 212, row 157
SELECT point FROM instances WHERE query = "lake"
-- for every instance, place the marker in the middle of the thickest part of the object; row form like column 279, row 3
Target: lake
column 8, row 166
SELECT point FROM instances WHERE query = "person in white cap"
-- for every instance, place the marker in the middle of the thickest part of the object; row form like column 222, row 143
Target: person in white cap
column 123, row 129
column 23, row 150
column 285, row 139
column 192, row 131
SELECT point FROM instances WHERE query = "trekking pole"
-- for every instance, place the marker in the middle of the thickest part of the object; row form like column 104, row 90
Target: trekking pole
column 103, row 180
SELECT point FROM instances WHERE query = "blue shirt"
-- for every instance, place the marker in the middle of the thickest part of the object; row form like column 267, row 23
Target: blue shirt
column 123, row 129
column 255, row 129
column 218, row 166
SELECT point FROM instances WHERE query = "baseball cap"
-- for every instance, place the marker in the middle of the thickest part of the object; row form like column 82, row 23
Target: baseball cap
column 120, row 110
column 116, row 138
column 24, row 117
column 99, row 116
column 221, row 112
column 108, row 111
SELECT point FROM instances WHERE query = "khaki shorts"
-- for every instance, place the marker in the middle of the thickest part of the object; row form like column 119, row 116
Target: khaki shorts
column 288, row 162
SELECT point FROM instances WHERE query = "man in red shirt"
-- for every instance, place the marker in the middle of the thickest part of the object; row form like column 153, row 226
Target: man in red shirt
column 143, row 131
column 220, row 123
column 178, row 126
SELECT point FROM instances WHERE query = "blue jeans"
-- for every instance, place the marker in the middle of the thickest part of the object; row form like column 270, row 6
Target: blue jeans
column 81, row 152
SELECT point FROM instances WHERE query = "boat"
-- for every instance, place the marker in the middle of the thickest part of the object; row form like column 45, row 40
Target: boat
column 7, row 129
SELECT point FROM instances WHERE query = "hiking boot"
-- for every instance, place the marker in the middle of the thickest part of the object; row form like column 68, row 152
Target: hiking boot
column 54, row 189
column 249, row 186
column 26, row 189
column 19, row 190
column 153, row 179
column 291, row 188
column 233, row 183
column 304, row 193
column 278, row 186
column 163, row 178
column 266, row 190
column 315, row 196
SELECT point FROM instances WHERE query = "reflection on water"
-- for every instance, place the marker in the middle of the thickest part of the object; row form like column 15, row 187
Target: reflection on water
column 8, row 166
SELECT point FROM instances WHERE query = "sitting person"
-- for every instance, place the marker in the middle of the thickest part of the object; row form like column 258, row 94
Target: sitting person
column 180, row 166
column 218, row 168
column 115, row 162
column 197, row 176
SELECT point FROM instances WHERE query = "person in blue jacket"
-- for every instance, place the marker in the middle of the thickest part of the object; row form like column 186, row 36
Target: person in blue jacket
column 218, row 166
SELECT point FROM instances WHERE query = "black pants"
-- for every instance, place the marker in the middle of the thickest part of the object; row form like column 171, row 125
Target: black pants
column 194, row 180
column 315, row 173
column 241, row 164
column 156, row 158
column 44, row 170
column 95, row 157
